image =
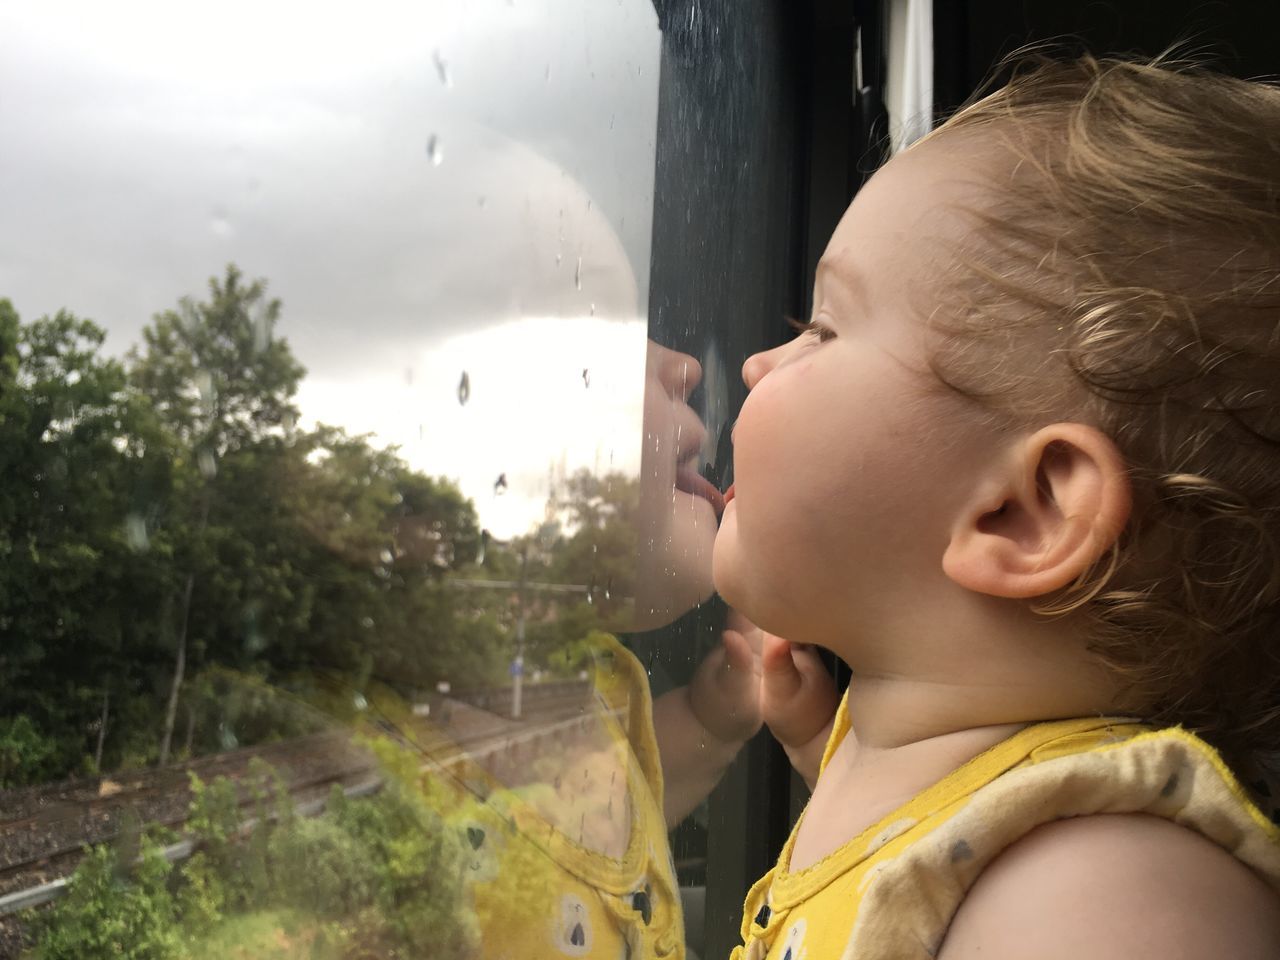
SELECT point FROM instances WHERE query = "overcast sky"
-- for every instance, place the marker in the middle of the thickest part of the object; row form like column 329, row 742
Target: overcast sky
column 429, row 187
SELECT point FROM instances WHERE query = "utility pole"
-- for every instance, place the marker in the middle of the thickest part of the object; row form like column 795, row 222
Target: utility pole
column 517, row 664
column 522, row 588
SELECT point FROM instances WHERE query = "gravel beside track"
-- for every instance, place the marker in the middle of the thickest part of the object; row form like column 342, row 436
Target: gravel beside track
column 43, row 829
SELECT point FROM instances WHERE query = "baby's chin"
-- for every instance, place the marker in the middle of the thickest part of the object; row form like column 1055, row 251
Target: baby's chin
column 723, row 556
column 732, row 578
column 674, row 573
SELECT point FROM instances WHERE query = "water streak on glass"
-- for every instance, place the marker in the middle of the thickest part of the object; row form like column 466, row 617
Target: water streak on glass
column 435, row 153
column 366, row 637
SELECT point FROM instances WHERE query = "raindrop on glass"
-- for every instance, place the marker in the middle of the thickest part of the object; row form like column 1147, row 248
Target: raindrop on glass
column 254, row 642
column 593, row 309
column 385, row 556
column 577, row 275
column 204, row 383
column 546, row 74
column 586, row 377
column 434, row 153
column 208, row 467
column 482, row 201
column 135, row 533
column 366, row 622
column 500, row 485
column 464, row 388
column 261, row 331
column 442, row 69
column 359, row 702
column 608, row 588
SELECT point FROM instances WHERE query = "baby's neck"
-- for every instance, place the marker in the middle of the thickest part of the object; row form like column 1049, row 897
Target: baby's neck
column 911, row 724
column 861, row 785
column 970, row 663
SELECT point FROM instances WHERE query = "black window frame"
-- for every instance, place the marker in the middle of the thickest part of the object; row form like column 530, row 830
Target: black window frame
column 771, row 116
column 766, row 129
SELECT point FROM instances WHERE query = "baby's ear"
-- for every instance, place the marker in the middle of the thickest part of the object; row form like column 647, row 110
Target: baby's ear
column 1042, row 516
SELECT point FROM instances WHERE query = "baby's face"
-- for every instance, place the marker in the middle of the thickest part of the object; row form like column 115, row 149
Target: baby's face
column 849, row 459
column 678, row 507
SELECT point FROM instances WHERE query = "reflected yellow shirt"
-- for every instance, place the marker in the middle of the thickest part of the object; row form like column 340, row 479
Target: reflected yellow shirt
column 890, row 892
column 538, row 893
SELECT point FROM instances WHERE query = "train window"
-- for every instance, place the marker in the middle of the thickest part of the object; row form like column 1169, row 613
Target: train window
column 365, row 384
column 367, row 377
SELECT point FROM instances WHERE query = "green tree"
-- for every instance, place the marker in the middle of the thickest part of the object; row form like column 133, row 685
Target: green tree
column 375, row 541
column 69, row 591
column 218, row 381
column 165, row 526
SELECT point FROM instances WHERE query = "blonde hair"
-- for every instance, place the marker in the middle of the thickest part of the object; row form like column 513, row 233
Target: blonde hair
column 1135, row 246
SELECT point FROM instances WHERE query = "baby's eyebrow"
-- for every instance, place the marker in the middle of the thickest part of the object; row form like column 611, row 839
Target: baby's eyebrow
column 824, row 266
column 848, row 277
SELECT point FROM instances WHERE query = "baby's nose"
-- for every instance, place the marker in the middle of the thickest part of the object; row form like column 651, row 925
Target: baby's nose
column 678, row 372
column 757, row 365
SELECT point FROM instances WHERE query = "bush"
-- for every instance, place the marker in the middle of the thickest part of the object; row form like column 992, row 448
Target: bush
column 419, row 859
column 320, row 868
column 385, row 873
column 24, row 751
column 109, row 916
column 202, row 899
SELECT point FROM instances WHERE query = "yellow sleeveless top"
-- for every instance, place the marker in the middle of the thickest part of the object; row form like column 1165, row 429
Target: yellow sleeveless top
column 538, row 893
column 890, row 892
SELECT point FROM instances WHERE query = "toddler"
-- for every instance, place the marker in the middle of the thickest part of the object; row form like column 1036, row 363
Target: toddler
column 1021, row 472
column 564, row 840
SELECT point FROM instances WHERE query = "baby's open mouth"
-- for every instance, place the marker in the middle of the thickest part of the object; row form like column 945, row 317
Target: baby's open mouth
column 692, row 482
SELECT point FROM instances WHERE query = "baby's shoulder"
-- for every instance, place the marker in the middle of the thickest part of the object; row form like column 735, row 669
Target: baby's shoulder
column 1116, row 886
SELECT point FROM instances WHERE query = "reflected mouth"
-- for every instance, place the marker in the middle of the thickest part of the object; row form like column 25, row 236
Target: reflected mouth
column 692, row 482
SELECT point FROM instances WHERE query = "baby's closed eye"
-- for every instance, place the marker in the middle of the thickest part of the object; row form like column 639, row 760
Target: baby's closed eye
column 815, row 327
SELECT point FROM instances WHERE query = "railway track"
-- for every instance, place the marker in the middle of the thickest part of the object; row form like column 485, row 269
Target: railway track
column 101, row 802
column 41, row 848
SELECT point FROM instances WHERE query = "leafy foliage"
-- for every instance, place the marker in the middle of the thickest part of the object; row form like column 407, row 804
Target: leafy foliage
column 378, row 871
column 164, row 520
column 107, row 915
column 24, row 751
column 184, row 570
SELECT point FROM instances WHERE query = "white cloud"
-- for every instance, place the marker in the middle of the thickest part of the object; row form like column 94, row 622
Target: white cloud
column 530, row 411
column 149, row 143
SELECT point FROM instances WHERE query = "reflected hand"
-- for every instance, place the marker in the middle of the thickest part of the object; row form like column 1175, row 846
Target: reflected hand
column 725, row 693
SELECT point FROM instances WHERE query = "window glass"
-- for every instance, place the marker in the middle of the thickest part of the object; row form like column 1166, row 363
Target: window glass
column 346, row 496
